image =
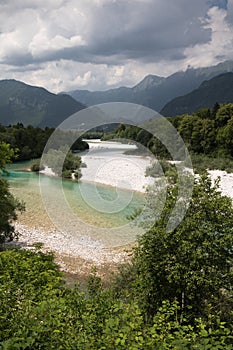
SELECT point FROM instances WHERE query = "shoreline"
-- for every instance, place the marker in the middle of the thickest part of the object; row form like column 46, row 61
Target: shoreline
column 68, row 248
column 79, row 254
column 113, row 168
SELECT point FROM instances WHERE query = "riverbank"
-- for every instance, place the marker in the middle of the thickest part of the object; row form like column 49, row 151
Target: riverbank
column 106, row 164
column 75, row 255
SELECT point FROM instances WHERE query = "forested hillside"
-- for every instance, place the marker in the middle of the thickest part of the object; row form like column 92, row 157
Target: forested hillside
column 31, row 105
column 218, row 89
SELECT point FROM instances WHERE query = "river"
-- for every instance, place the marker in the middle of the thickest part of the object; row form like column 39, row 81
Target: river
column 88, row 208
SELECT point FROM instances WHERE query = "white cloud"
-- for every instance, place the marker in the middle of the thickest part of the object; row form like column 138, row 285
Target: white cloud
column 221, row 44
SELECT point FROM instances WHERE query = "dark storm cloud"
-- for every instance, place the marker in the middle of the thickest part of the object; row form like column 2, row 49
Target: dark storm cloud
column 145, row 31
column 148, row 32
column 218, row 3
column 230, row 12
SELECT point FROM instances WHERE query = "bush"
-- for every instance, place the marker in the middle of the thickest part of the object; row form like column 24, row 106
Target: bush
column 37, row 166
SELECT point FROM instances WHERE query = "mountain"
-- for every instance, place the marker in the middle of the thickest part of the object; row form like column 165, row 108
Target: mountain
column 218, row 89
column 148, row 82
column 137, row 94
column 32, row 105
column 154, row 91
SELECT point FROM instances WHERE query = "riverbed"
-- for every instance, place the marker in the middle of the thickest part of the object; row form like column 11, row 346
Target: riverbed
column 88, row 220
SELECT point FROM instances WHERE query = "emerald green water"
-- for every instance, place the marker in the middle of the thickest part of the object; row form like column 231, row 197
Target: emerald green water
column 79, row 212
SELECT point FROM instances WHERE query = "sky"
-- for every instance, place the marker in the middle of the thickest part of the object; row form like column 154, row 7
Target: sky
column 64, row 45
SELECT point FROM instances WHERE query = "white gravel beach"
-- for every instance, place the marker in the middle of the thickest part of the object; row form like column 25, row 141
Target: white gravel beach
column 67, row 245
column 114, row 168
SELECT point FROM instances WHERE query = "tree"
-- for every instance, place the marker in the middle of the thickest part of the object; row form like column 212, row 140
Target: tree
column 215, row 109
column 6, row 154
column 192, row 264
column 63, row 162
column 223, row 114
column 38, row 311
column 225, row 137
column 8, row 204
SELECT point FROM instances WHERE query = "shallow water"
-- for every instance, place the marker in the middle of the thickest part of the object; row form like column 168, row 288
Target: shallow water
column 80, row 209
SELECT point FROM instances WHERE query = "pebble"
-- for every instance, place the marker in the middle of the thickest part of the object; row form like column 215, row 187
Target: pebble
column 83, row 247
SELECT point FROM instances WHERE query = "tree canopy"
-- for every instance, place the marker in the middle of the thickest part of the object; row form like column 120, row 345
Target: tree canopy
column 38, row 311
column 193, row 264
column 8, row 204
column 31, row 141
column 207, row 133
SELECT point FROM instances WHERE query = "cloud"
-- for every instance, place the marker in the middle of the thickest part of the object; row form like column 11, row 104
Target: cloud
column 104, row 43
column 229, row 16
column 220, row 45
column 97, row 30
column 148, row 31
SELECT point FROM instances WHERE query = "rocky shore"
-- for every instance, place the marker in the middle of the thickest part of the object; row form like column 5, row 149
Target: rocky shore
column 91, row 252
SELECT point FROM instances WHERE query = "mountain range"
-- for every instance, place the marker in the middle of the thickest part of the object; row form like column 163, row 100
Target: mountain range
column 199, row 88
column 218, row 89
column 154, row 91
column 32, row 105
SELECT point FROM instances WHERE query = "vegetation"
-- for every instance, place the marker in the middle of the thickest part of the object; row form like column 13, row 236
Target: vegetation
column 208, row 135
column 175, row 293
column 31, row 141
column 191, row 265
column 218, row 88
column 8, row 204
column 62, row 162
column 34, row 105
column 38, row 311
column 37, row 166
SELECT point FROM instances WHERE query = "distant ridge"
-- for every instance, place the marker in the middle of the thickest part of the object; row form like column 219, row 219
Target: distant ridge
column 154, row 91
column 218, row 89
column 31, row 105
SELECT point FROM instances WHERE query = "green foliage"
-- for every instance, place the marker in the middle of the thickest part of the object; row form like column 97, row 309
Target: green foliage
column 161, row 168
column 202, row 162
column 37, row 311
column 176, row 293
column 31, row 141
column 8, row 204
column 143, row 139
column 36, row 166
column 8, row 208
column 192, row 264
column 208, row 135
column 207, row 132
column 63, row 162
column 6, row 155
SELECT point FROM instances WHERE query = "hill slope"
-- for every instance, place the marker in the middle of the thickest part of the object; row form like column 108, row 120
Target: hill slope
column 32, row 105
column 153, row 91
column 218, row 89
